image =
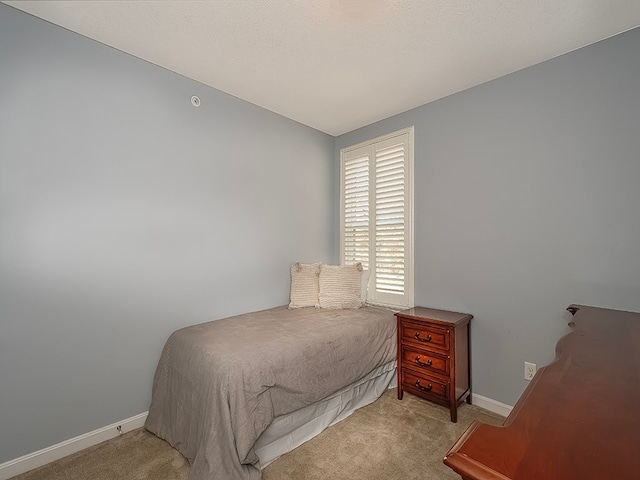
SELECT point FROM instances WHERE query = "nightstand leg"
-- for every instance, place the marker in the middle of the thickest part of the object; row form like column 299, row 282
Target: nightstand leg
column 454, row 413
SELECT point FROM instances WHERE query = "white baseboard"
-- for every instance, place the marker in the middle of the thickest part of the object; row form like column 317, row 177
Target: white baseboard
column 42, row 457
column 491, row 405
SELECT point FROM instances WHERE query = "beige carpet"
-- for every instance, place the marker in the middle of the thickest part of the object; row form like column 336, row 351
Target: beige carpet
column 389, row 439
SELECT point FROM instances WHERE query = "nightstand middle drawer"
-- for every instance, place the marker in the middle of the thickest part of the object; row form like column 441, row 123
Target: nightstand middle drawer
column 424, row 360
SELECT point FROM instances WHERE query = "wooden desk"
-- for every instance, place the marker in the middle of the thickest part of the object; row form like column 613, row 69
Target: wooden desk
column 579, row 418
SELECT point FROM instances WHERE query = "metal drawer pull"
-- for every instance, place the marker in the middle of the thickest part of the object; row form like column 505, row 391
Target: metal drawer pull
column 426, row 389
column 423, row 364
column 417, row 336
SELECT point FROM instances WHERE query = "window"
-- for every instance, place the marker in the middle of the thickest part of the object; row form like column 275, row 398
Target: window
column 376, row 215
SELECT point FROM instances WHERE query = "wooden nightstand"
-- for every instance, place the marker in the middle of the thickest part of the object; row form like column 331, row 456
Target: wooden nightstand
column 434, row 359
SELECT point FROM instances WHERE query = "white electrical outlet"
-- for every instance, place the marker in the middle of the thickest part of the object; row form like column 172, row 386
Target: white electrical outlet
column 529, row 370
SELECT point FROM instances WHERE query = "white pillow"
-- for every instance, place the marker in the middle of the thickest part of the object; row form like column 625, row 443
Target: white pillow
column 304, row 285
column 340, row 286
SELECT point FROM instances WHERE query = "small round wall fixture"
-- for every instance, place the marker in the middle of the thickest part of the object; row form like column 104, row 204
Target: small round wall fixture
column 195, row 101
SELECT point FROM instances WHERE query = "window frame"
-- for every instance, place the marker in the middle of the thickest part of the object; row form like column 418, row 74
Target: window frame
column 369, row 146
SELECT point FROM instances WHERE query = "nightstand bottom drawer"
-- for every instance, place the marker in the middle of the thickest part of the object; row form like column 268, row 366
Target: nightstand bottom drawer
column 422, row 385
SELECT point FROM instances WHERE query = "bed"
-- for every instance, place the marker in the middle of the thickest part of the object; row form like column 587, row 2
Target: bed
column 233, row 394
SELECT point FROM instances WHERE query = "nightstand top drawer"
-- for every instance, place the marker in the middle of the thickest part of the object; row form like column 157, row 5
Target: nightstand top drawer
column 433, row 315
column 424, row 335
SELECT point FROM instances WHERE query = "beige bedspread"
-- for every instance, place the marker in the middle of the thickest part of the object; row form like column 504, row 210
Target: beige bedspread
column 218, row 385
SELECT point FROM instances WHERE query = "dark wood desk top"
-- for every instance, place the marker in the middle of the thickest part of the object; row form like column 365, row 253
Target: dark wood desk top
column 579, row 418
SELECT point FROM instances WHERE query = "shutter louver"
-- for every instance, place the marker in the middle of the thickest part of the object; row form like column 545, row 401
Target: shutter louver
column 356, row 211
column 390, row 220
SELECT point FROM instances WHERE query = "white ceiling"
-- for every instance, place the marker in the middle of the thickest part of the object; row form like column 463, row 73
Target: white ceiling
column 337, row 65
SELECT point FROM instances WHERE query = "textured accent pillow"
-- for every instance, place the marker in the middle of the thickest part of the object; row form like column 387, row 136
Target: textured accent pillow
column 340, row 286
column 304, row 285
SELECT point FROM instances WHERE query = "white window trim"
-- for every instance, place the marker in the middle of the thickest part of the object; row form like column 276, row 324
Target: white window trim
column 409, row 252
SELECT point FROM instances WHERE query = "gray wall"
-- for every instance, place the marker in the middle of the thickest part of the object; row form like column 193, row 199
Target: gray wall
column 126, row 213
column 527, row 200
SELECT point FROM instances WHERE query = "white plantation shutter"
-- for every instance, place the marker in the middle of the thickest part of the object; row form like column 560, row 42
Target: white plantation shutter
column 390, row 219
column 376, row 215
column 356, row 211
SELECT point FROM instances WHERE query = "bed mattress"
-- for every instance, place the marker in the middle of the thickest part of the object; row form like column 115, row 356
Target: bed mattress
column 219, row 385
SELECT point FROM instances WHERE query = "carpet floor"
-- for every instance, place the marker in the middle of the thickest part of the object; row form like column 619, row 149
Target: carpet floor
column 389, row 439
